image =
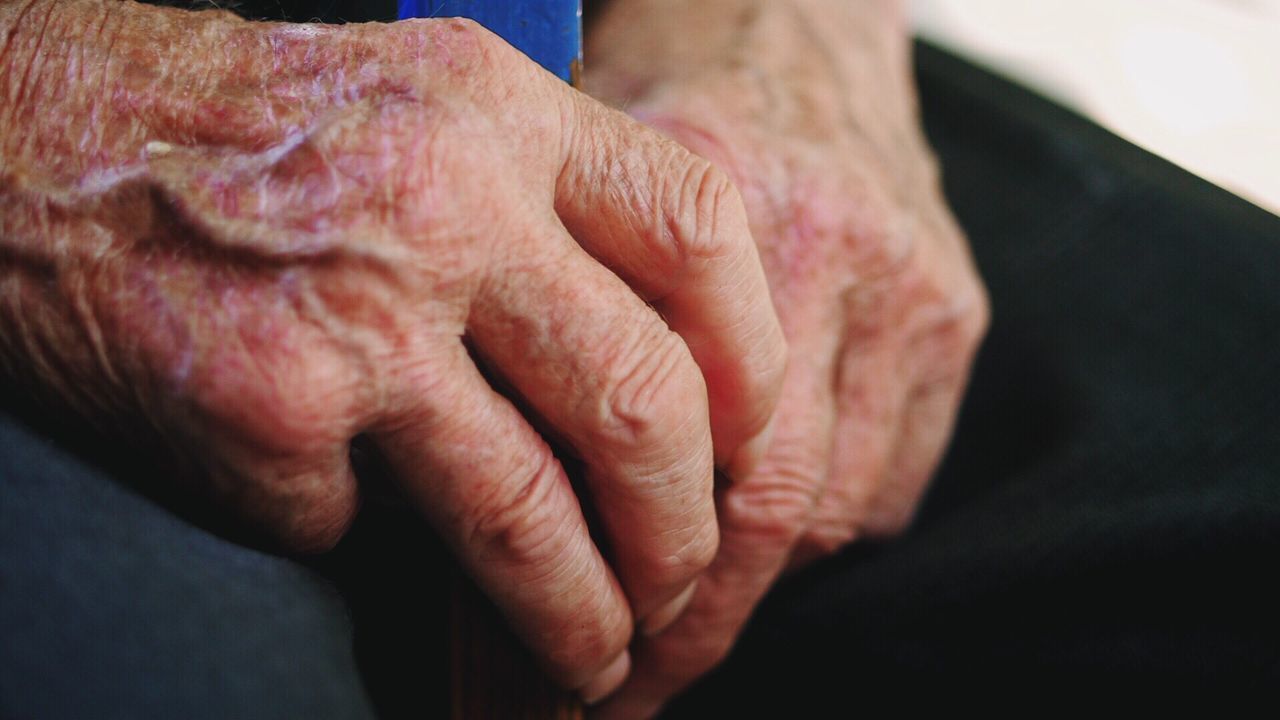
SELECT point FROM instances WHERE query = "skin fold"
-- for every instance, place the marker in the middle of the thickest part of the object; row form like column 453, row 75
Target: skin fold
column 809, row 105
column 249, row 243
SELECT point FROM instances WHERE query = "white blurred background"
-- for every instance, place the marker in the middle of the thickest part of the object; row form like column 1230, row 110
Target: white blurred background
column 1195, row 81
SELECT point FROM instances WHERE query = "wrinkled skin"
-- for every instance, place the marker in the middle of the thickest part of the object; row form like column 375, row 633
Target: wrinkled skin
column 254, row 242
column 257, row 242
column 809, row 106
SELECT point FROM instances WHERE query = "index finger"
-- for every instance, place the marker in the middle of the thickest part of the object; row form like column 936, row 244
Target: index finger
column 673, row 226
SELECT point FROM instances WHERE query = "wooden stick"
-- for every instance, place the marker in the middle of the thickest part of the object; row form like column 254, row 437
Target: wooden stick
column 494, row 677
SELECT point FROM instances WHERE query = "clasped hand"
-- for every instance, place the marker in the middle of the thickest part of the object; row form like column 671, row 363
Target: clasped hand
column 252, row 243
column 258, row 242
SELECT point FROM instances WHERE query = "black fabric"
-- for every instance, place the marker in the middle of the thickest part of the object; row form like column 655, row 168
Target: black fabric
column 1109, row 515
column 330, row 11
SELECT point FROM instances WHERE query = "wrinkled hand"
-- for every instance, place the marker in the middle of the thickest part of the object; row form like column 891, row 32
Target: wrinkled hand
column 809, row 106
column 258, row 241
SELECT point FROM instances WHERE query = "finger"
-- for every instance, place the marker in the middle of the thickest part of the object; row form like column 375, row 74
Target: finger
column 941, row 338
column 761, row 518
column 869, row 408
column 272, row 431
column 603, row 369
column 495, row 492
column 922, row 440
column 674, row 228
column 304, row 503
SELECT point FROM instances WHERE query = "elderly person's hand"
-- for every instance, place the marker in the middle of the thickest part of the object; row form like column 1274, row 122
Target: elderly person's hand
column 810, row 106
column 254, row 242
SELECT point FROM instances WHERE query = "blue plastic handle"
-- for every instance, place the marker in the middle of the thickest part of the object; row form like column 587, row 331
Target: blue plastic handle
column 549, row 31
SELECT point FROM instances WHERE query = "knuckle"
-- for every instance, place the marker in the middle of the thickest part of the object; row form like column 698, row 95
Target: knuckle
column 776, row 505
column 313, row 510
column 458, row 42
column 949, row 324
column 276, row 401
column 676, row 567
column 893, row 509
column 969, row 301
column 656, row 394
column 586, row 644
column 962, row 324
column 502, row 65
column 463, row 52
column 705, row 206
column 890, row 522
column 320, row 530
column 474, row 31
column 701, row 552
column 514, row 519
column 463, row 38
column 968, row 304
column 830, row 538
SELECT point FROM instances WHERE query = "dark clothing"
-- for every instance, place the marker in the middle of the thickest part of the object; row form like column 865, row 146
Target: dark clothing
column 297, row 10
column 1109, row 514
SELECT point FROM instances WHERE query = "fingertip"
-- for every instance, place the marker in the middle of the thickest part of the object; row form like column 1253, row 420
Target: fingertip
column 663, row 617
column 625, row 705
column 608, row 680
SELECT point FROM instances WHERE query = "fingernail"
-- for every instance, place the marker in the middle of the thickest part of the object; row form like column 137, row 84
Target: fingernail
column 748, row 457
column 662, row 618
column 607, row 681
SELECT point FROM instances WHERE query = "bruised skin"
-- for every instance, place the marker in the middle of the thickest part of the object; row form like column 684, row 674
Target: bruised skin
column 809, row 105
column 257, row 241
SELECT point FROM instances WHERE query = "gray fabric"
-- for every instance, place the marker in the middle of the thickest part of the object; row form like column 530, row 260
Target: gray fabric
column 112, row 607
